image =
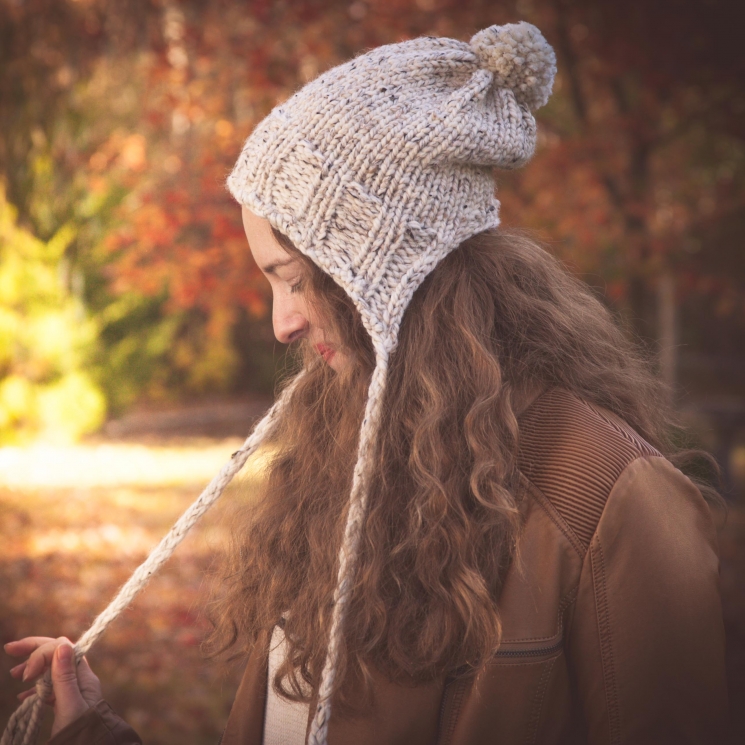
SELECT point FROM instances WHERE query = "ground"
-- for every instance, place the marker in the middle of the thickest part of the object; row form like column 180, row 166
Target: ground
column 76, row 520
column 74, row 523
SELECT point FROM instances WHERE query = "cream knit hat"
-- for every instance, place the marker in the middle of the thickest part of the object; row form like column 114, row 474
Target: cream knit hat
column 381, row 166
column 376, row 170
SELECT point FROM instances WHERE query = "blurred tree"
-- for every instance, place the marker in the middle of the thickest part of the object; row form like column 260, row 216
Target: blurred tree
column 123, row 119
column 643, row 160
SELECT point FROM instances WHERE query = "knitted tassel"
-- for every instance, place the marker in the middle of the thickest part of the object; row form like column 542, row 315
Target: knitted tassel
column 23, row 726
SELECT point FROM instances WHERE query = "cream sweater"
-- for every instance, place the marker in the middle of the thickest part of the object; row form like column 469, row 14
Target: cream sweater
column 285, row 722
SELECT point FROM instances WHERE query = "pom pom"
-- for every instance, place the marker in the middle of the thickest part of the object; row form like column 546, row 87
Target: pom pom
column 520, row 58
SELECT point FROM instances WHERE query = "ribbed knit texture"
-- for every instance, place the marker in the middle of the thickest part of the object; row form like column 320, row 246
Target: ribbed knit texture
column 574, row 453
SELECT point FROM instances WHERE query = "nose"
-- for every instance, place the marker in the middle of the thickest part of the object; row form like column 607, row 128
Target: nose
column 288, row 322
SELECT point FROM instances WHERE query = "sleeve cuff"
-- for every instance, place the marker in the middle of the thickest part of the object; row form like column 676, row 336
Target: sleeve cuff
column 100, row 725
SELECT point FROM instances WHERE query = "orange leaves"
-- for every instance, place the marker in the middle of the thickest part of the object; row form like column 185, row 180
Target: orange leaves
column 132, row 155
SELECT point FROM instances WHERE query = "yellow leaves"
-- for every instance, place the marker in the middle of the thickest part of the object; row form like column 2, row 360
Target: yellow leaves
column 29, row 269
column 59, row 412
column 44, row 333
column 70, row 407
column 16, row 400
column 59, row 242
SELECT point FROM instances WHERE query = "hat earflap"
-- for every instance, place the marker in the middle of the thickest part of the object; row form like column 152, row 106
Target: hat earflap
column 350, row 547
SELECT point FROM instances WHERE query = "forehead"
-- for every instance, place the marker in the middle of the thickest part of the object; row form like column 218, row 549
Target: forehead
column 264, row 246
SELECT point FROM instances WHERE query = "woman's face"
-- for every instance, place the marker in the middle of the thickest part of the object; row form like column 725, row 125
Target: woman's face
column 292, row 316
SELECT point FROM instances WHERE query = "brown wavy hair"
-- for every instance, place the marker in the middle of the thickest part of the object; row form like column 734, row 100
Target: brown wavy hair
column 445, row 508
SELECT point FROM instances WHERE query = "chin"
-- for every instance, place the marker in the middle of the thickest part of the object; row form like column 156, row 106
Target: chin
column 336, row 362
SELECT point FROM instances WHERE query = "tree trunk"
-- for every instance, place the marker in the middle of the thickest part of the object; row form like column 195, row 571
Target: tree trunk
column 667, row 331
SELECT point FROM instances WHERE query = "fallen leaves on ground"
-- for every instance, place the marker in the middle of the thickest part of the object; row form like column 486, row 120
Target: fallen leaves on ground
column 66, row 548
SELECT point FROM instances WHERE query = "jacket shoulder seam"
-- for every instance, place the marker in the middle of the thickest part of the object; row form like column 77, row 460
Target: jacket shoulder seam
column 573, row 452
column 557, row 519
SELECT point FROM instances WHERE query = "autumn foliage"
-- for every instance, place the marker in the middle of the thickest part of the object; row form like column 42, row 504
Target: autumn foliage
column 120, row 122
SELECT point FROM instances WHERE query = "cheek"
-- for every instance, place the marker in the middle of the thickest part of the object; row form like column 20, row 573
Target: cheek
column 308, row 311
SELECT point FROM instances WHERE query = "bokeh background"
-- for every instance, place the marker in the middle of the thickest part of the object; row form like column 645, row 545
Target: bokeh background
column 135, row 339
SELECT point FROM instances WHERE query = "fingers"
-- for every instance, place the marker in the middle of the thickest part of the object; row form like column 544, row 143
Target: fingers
column 30, row 692
column 90, row 685
column 69, row 703
column 22, row 647
column 41, row 658
column 40, row 648
column 78, row 686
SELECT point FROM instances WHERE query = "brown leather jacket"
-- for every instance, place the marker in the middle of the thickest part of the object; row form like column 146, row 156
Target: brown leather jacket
column 612, row 622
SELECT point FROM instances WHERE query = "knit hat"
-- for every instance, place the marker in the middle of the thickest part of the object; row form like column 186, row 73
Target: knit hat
column 375, row 171
column 381, row 166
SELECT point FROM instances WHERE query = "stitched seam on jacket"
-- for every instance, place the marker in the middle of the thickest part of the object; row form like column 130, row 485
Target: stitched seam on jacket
column 522, row 663
column 627, row 432
column 459, row 692
column 556, row 518
column 541, row 693
column 606, row 646
column 565, row 602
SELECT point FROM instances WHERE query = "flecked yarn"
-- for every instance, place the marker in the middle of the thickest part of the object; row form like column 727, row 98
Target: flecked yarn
column 376, row 170
column 381, row 166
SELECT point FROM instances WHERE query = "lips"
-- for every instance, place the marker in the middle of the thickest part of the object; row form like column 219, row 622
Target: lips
column 326, row 352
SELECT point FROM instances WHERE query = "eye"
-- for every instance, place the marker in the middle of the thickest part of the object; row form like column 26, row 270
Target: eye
column 297, row 286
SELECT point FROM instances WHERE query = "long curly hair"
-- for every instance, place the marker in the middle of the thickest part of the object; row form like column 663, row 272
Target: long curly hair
column 445, row 510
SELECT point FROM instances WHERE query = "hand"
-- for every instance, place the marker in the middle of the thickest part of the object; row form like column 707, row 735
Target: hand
column 75, row 690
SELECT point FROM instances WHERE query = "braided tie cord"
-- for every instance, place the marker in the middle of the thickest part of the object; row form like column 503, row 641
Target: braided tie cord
column 23, row 726
column 350, row 548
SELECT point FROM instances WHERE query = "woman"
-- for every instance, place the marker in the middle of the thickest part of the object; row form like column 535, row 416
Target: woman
column 473, row 530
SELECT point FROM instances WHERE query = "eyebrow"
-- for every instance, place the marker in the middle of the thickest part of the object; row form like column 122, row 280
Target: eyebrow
column 270, row 268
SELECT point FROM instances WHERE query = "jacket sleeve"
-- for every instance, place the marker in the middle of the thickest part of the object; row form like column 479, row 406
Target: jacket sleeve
column 98, row 726
column 646, row 642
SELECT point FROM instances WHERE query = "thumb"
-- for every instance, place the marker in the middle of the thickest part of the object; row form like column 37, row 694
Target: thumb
column 69, row 701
